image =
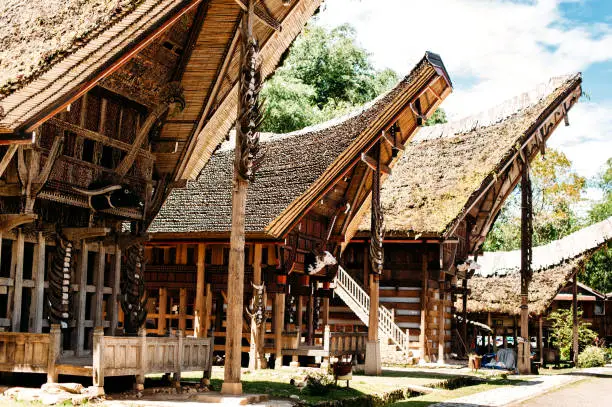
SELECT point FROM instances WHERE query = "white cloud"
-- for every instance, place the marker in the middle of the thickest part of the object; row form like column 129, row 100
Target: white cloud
column 494, row 50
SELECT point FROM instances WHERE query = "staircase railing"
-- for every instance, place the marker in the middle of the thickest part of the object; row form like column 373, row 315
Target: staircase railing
column 358, row 301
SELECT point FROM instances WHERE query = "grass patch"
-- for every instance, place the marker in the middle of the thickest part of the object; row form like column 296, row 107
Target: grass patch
column 445, row 395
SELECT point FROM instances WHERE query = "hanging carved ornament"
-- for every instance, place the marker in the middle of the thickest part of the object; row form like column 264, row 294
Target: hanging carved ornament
column 314, row 263
column 526, row 232
column 58, row 294
column 133, row 294
column 377, row 232
column 316, row 312
column 109, row 196
column 250, row 116
column 290, row 309
column 258, row 305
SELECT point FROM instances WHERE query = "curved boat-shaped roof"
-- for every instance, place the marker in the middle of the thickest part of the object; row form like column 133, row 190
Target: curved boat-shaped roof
column 495, row 287
column 296, row 166
column 445, row 167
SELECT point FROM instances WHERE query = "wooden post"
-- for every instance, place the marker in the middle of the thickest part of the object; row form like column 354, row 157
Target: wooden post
column 99, row 282
column 256, row 353
column 424, row 307
column 490, row 324
column 81, row 300
column 207, row 310
column 299, row 319
column 372, row 363
column 54, row 351
column 163, row 306
column 325, row 313
column 575, row 320
column 464, row 299
column 441, row 319
column 17, row 275
column 98, row 359
column 201, row 298
column 38, row 273
column 279, row 323
column 140, row 377
column 114, row 300
column 310, row 319
column 179, row 362
column 182, row 325
column 540, row 338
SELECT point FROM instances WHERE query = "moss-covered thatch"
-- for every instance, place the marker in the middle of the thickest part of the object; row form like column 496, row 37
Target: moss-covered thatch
column 446, row 165
column 35, row 34
column 496, row 286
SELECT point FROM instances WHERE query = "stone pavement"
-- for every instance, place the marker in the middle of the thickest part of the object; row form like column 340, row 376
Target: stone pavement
column 508, row 395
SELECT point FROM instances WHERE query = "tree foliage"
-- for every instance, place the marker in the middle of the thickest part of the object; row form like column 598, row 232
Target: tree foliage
column 562, row 331
column 325, row 74
column 556, row 190
column 598, row 271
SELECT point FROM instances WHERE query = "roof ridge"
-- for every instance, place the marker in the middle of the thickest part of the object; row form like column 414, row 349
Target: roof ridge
column 496, row 114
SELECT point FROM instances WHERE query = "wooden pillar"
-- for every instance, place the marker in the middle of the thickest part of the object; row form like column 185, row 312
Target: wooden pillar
column 114, row 300
column 372, row 363
column 256, row 352
column 441, row 318
column 200, row 295
column 575, row 320
column 99, row 283
column 424, row 307
column 279, row 323
column 207, row 310
column 163, row 306
column 464, row 298
column 38, row 274
column 81, row 299
column 325, row 313
column 55, row 343
column 540, row 343
column 182, row 325
column 17, row 276
column 299, row 322
column 310, row 320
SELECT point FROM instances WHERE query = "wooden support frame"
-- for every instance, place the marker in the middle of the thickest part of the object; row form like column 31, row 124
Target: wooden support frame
column 17, row 276
column 7, row 157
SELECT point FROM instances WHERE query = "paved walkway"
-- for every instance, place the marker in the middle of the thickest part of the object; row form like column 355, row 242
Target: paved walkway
column 508, row 395
column 594, row 392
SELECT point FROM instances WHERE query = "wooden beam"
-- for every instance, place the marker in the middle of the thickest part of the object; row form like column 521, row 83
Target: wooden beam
column 424, row 308
column 7, row 157
column 441, row 318
column 279, row 322
column 11, row 221
column 182, row 325
column 575, row 320
column 76, row 234
column 262, row 14
column 371, row 163
column 142, row 134
column 41, row 178
column 163, row 308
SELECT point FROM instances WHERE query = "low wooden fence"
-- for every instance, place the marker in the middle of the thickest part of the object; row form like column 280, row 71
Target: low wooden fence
column 30, row 353
column 112, row 355
column 344, row 343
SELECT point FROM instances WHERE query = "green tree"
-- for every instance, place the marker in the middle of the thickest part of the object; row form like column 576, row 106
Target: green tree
column 438, row 117
column 563, row 330
column 598, row 271
column 556, row 190
column 325, row 74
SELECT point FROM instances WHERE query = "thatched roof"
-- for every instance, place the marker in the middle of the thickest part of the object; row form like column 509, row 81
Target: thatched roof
column 446, row 165
column 495, row 287
column 292, row 164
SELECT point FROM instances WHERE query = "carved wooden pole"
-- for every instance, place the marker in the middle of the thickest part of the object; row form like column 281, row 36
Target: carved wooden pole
column 526, row 272
column 372, row 363
column 247, row 144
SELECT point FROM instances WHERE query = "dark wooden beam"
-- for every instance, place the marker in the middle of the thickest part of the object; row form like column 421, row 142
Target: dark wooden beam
column 12, row 220
column 7, row 157
column 372, row 163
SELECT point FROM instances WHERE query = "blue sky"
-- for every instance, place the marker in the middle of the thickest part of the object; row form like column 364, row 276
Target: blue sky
column 496, row 49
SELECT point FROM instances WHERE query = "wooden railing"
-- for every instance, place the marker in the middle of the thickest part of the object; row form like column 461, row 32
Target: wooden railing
column 344, row 343
column 123, row 356
column 30, row 353
column 358, row 301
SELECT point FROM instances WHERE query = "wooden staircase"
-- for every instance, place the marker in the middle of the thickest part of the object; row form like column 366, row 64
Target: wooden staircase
column 355, row 297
